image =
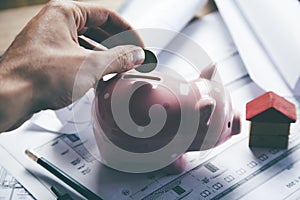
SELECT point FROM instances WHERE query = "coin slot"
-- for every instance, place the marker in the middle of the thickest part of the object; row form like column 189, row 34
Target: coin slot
column 129, row 76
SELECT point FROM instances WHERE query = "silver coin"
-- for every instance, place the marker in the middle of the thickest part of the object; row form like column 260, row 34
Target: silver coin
column 149, row 63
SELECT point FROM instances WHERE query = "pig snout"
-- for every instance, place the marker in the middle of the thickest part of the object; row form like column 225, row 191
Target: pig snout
column 232, row 127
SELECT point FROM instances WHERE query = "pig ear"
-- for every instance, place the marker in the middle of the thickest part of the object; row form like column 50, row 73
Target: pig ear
column 206, row 107
column 208, row 72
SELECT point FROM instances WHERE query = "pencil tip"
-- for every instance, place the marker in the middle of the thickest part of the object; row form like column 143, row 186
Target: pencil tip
column 31, row 155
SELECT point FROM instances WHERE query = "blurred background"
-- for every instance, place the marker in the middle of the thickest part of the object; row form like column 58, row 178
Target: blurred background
column 5, row 4
column 14, row 14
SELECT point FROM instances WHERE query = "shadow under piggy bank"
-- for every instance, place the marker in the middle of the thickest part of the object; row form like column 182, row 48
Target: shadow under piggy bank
column 146, row 122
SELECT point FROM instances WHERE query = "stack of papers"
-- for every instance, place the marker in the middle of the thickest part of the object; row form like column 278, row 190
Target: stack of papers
column 267, row 35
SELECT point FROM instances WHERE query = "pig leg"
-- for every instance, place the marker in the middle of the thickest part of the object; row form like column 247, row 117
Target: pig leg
column 206, row 108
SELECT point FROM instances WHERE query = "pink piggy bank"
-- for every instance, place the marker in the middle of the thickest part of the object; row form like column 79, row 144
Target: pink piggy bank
column 146, row 122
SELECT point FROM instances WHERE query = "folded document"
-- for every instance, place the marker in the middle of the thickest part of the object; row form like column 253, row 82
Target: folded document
column 267, row 35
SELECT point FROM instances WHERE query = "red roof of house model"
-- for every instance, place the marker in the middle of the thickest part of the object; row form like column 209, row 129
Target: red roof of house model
column 270, row 107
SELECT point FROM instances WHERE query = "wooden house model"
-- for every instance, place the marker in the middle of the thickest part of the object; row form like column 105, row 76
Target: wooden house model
column 270, row 116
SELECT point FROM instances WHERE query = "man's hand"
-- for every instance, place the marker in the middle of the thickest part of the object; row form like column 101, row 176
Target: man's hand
column 38, row 71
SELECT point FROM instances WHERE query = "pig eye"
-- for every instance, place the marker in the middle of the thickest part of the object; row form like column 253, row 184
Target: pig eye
column 228, row 124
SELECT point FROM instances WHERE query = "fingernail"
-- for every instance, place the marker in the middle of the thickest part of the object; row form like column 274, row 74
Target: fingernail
column 138, row 55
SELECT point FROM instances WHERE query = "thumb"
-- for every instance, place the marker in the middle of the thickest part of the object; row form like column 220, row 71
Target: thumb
column 122, row 58
column 100, row 63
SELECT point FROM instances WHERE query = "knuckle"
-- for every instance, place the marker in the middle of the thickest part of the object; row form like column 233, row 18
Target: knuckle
column 124, row 58
column 62, row 6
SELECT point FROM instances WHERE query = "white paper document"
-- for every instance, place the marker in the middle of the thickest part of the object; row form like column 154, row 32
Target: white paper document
column 10, row 187
column 266, row 34
column 276, row 26
column 167, row 14
column 159, row 22
column 211, row 34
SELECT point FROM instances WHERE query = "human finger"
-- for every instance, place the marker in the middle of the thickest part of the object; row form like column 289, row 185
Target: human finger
column 122, row 58
column 114, row 60
column 99, row 23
